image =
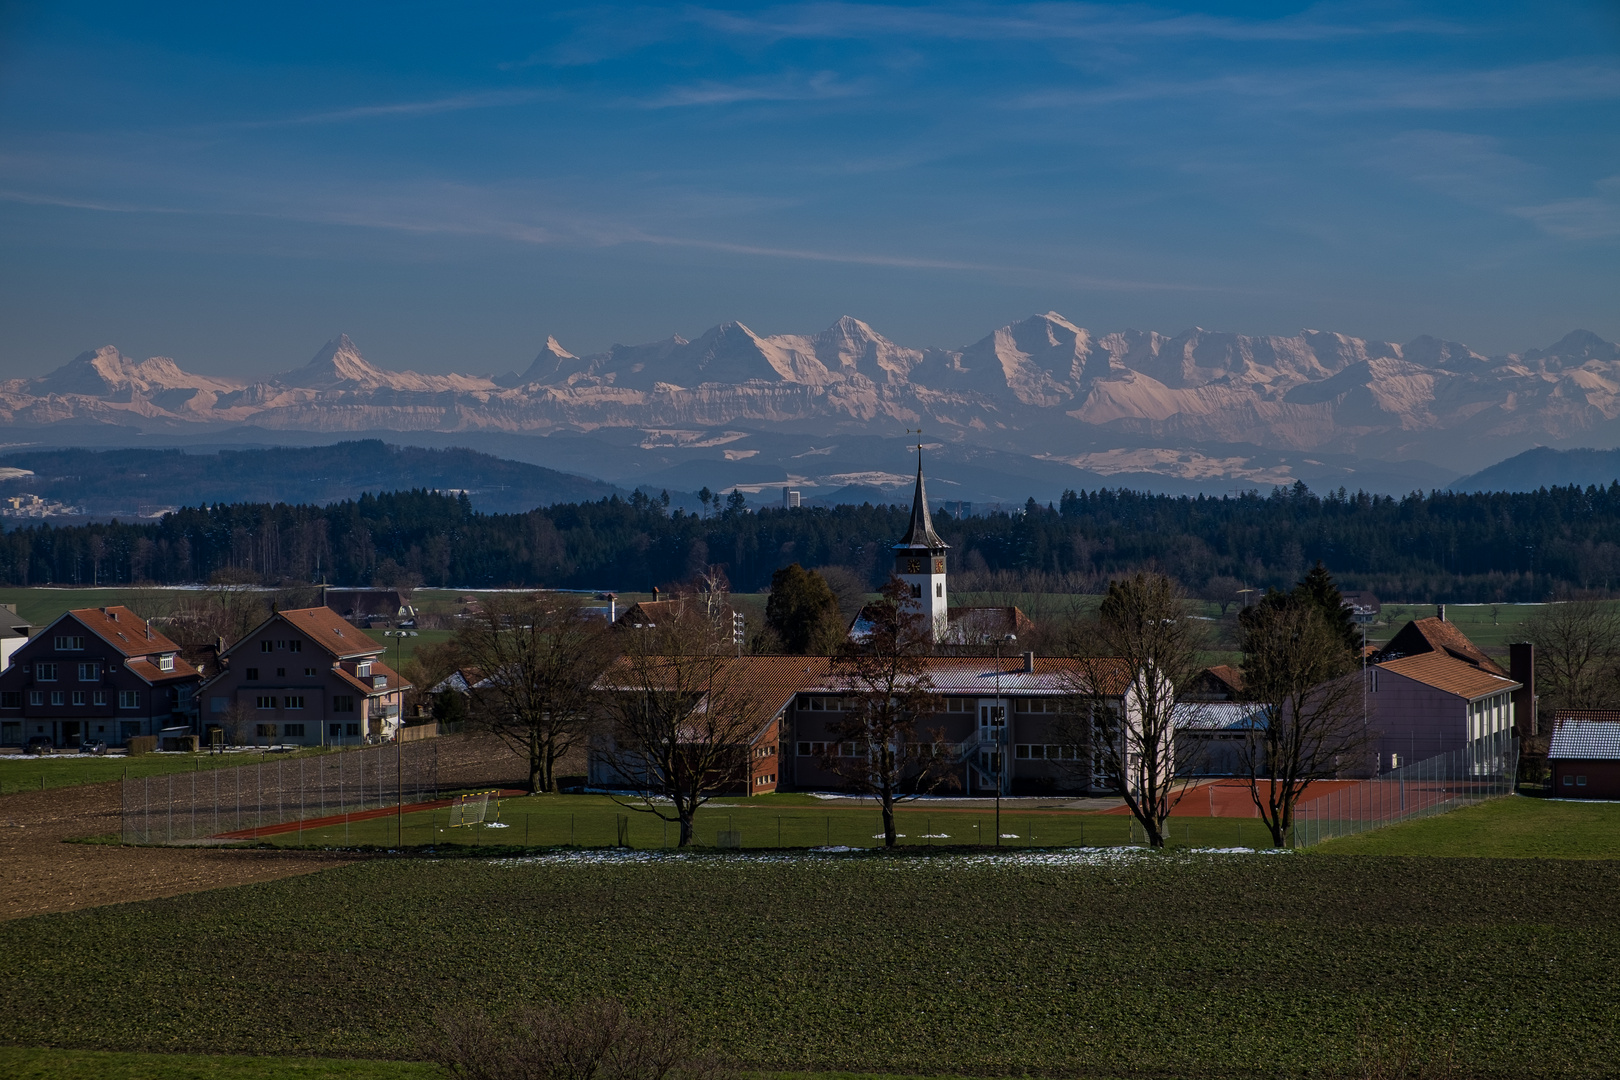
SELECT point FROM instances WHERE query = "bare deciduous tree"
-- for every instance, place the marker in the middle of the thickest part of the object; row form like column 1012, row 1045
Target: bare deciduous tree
column 681, row 714
column 1577, row 653
column 1134, row 661
column 1295, row 665
column 887, row 691
column 539, row 656
column 596, row 1041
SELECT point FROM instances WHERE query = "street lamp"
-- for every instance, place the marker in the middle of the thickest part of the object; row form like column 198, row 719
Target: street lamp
column 397, row 635
column 998, row 728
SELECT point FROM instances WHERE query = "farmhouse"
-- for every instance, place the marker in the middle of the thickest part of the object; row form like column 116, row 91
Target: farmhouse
column 95, row 675
column 1010, row 721
column 1584, row 754
column 304, row 677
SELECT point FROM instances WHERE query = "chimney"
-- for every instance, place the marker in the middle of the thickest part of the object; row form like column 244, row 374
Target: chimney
column 1029, row 663
column 1522, row 669
column 1441, row 611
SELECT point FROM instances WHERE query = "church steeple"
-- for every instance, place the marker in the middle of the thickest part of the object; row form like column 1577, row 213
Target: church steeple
column 919, row 560
column 921, row 534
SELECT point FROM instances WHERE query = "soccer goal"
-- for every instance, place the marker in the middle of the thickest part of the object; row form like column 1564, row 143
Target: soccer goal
column 472, row 809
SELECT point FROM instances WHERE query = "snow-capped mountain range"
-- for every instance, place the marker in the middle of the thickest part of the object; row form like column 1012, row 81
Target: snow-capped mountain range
column 1131, row 401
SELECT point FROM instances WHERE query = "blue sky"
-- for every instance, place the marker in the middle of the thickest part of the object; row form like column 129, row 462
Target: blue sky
column 450, row 183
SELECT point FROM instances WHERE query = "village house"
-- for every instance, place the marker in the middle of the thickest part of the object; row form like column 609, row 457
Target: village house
column 95, row 675
column 304, row 677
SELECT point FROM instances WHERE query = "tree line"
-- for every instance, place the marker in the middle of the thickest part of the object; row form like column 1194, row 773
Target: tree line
column 1495, row 547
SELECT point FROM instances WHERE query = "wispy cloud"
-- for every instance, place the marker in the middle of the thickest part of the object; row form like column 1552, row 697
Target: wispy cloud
column 1349, row 89
column 1595, row 217
column 823, row 85
column 487, row 99
column 1087, row 21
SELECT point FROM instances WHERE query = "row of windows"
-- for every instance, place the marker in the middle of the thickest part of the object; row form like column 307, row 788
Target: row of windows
column 1044, row 753
column 281, row 673
column 296, row 731
column 88, row 672
column 340, row 702
column 12, row 699
column 849, row 749
column 819, row 703
column 764, row 780
column 765, row 752
column 292, row 645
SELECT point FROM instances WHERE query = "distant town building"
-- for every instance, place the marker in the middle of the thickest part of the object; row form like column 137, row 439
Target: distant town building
column 790, row 499
column 362, row 607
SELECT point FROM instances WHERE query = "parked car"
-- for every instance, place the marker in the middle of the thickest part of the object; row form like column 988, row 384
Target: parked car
column 38, row 744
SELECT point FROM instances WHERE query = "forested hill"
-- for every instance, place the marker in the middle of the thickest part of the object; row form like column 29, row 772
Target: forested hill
column 122, row 483
column 1443, row 546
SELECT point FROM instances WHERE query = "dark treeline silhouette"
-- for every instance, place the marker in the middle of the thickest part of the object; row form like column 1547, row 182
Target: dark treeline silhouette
column 1461, row 547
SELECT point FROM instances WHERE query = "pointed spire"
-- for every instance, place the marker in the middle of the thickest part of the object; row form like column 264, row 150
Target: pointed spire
column 921, row 533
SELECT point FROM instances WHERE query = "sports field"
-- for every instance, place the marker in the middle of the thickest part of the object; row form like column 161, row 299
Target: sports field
column 781, row 821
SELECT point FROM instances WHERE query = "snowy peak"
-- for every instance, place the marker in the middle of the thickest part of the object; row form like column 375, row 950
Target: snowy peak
column 849, row 346
column 338, row 366
column 107, row 372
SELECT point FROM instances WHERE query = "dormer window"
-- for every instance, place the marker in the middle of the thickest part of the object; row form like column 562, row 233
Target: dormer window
column 165, row 661
column 363, row 669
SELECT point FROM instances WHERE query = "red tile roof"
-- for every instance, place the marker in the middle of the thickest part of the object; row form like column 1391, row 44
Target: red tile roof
column 377, row 668
column 149, row 671
column 123, row 630
column 328, row 629
column 1435, row 635
column 1446, row 672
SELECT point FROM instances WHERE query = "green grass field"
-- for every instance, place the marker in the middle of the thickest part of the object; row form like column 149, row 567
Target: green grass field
column 792, row 821
column 1138, row 963
column 23, row 772
column 1517, row 827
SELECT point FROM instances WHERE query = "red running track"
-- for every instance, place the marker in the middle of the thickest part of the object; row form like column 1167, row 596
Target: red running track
column 357, row 815
column 1230, row 798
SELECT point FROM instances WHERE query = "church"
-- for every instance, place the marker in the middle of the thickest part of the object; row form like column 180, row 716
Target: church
column 920, row 561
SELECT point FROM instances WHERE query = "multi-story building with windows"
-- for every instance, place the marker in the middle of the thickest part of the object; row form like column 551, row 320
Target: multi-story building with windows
column 303, row 677
column 95, row 675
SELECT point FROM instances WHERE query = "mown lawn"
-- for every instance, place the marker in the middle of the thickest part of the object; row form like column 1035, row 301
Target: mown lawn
column 1137, row 964
column 1517, row 827
column 771, row 821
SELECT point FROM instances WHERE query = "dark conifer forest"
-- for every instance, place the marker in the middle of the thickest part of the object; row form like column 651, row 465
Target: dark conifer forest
column 1440, row 546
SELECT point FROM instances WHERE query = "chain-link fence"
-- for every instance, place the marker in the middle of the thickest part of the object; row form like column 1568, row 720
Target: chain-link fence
column 274, row 790
column 1484, row 769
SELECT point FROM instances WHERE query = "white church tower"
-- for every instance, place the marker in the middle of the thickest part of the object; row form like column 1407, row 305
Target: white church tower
column 919, row 560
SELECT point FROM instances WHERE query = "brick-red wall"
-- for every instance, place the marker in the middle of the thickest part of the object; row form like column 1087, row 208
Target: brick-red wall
column 1602, row 779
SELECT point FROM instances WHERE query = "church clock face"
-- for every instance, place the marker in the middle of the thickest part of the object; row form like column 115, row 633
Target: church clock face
column 913, row 566
column 939, row 566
